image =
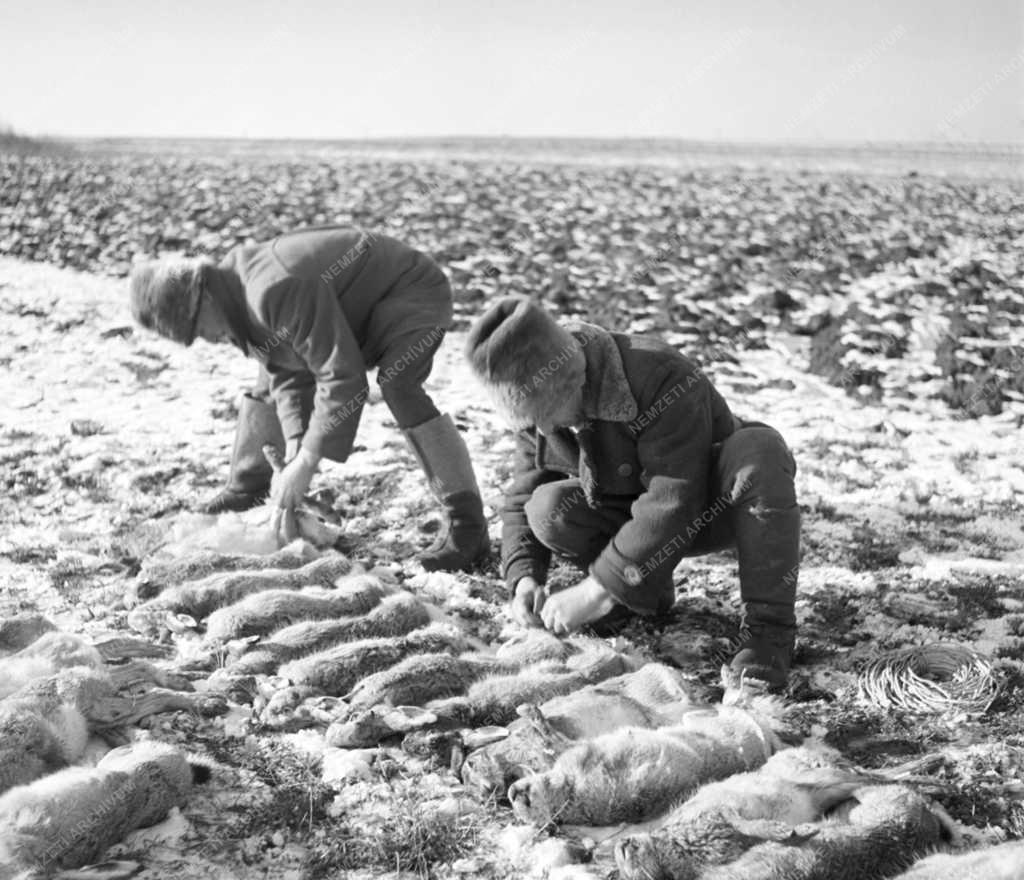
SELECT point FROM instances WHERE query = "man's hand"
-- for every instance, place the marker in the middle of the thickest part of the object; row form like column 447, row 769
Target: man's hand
column 527, row 602
column 287, row 490
column 567, row 610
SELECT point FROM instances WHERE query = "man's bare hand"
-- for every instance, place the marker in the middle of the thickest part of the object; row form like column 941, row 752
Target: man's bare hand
column 287, row 491
column 527, row 602
column 567, row 610
column 284, row 525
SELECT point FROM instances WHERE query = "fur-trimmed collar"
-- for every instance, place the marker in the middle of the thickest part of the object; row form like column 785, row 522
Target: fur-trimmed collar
column 606, row 393
column 224, row 286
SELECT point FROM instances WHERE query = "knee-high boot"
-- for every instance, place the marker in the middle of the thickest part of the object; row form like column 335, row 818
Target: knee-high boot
column 768, row 546
column 249, row 479
column 443, row 455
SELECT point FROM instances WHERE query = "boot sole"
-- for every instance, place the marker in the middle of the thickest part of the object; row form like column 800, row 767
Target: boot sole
column 465, row 567
column 214, row 508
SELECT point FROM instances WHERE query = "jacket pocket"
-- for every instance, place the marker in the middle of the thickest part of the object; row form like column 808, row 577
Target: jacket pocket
column 619, row 477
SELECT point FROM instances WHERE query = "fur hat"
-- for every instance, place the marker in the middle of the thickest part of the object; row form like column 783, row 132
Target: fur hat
column 523, row 356
column 165, row 296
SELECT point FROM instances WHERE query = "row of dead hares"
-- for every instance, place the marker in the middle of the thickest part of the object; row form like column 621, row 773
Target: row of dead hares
column 576, row 734
column 573, row 733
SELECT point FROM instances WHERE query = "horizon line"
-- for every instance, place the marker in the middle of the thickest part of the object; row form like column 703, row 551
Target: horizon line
column 825, row 143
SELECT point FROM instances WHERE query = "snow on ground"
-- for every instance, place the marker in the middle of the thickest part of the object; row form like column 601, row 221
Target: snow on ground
column 912, row 532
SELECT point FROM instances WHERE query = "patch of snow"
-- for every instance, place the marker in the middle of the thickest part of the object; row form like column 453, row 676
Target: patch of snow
column 941, row 569
column 342, row 766
column 830, row 578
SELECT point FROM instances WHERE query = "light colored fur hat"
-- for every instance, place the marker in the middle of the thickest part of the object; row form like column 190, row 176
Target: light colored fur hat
column 165, row 294
column 524, row 357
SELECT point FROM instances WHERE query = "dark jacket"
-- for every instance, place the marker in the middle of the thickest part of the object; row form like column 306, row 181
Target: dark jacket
column 322, row 305
column 653, row 417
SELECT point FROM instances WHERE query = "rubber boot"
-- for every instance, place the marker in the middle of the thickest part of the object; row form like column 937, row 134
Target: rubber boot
column 768, row 546
column 248, row 482
column 442, row 454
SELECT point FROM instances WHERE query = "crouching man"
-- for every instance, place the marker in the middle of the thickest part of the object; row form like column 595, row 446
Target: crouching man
column 627, row 460
column 316, row 308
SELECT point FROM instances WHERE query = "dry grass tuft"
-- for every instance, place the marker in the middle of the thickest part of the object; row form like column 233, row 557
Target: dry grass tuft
column 413, row 836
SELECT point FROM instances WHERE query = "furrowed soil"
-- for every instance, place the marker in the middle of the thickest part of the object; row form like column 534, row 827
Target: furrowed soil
column 874, row 319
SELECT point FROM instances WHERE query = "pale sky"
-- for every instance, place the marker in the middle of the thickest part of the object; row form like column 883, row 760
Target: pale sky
column 807, row 70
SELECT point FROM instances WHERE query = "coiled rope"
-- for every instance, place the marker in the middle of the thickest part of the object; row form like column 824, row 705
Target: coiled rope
column 934, row 679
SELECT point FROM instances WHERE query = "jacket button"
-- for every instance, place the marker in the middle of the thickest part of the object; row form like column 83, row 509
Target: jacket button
column 625, row 470
column 632, row 575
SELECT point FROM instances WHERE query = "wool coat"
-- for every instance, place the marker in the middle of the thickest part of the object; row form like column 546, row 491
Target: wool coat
column 322, row 304
column 653, row 417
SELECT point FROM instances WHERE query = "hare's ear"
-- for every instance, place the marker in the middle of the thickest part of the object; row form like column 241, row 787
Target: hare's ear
column 554, row 740
column 484, row 736
column 274, row 457
column 402, row 719
column 111, row 870
column 538, row 722
column 800, row 835
column 767, row 830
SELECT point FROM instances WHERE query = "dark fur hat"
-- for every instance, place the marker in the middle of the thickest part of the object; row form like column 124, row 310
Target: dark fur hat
column 523, row 356
column 165, row 296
